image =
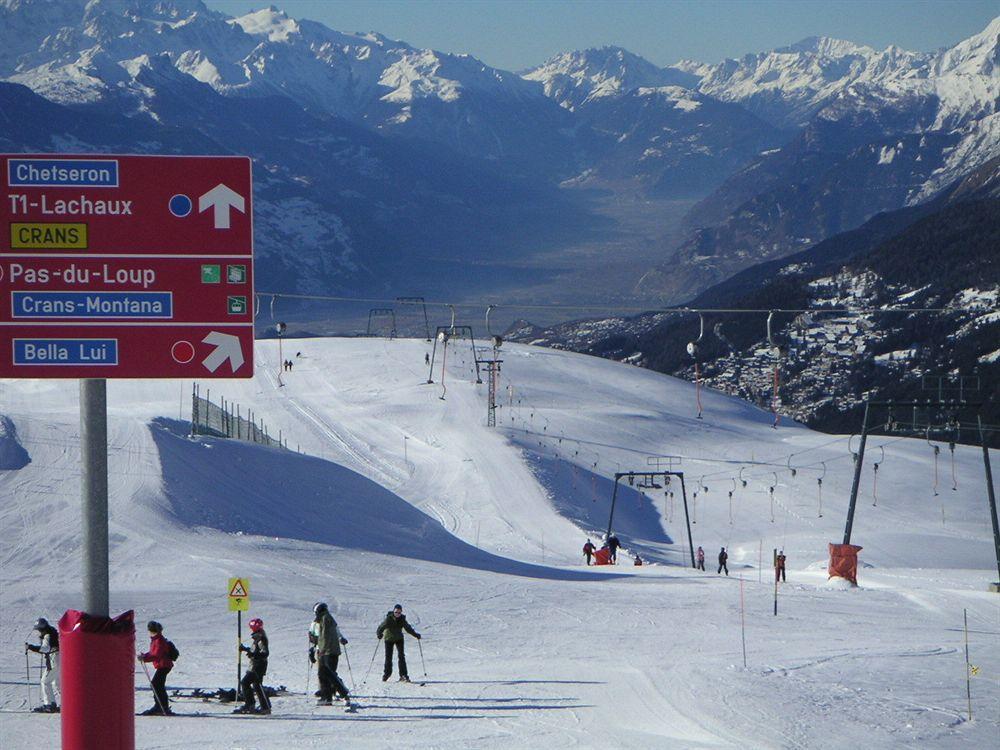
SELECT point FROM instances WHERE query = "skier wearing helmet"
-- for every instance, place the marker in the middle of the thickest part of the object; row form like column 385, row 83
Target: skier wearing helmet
column 48, row 649
column 329, row 639
column 252, row 680
column 160, row 652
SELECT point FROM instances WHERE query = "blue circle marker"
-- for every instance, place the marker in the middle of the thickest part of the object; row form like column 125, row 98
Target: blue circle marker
column 180, row 205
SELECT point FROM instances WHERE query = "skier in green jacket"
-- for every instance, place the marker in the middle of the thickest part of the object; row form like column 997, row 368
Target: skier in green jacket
column 391, row 631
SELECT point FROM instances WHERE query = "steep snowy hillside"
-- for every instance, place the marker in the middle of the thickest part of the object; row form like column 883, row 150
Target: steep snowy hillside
column 401, row 495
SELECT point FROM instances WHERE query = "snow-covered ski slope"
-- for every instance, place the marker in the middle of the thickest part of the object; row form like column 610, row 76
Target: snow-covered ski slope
column 398, row 495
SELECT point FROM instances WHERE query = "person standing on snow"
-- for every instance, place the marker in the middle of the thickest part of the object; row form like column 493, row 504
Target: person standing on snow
column 48, row 648
column 252, row 681
column 329, row 639
column 391, row 630
column 779, row 566
column 589, row 550
column 613, row 545
column 159, row 653
column 723, row 557
column 700, row 556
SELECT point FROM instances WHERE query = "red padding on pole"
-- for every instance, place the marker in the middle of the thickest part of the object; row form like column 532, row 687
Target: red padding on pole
column 97, row 659
column 844, row 561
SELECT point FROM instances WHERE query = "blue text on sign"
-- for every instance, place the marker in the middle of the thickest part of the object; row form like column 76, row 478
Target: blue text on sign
column 65, row 351
column 62, row 173
column 84, row 305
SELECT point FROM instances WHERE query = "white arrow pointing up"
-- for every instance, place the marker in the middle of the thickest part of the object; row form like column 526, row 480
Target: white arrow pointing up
column 221, row 198
column 226, row 347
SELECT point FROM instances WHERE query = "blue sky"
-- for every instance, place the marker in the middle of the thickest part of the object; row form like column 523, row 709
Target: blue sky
column 515, row 34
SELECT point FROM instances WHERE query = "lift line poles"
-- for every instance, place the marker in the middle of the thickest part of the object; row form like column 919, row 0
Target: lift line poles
column 632, row 476
column 923, row 423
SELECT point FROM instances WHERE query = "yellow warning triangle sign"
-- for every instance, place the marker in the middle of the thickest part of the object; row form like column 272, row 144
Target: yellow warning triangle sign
column 238, row 591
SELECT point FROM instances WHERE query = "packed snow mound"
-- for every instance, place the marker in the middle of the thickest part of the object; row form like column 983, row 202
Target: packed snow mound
column 13, row 456
column 240, row 488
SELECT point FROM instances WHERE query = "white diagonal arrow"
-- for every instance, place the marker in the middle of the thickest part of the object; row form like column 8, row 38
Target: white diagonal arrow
column 221, row 198
column 226, row 347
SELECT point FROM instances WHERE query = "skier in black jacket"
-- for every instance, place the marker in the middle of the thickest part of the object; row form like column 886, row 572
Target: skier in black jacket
column 613, row 545
column 252, row 681
column 723, row 558
column 391, row 630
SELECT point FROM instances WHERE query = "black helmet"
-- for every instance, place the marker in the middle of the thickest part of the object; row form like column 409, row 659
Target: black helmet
column 399, row 607
column 154, row 627
column 40, row 624
column 319, row 608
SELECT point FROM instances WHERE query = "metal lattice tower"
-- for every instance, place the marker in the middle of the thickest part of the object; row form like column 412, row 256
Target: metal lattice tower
column 493, row 373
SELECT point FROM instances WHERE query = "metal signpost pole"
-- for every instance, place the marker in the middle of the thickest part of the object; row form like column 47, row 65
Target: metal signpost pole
column 94, row 455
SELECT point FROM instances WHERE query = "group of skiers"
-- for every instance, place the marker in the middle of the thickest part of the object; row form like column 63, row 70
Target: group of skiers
column 325, row 639
column 611, row 546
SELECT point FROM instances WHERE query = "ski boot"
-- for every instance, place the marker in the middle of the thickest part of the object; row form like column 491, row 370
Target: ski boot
column 262, row 710
column 404, row 678
column 244, row 709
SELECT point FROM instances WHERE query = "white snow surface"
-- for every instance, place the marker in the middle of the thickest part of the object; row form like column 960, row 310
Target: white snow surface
column 398, row 495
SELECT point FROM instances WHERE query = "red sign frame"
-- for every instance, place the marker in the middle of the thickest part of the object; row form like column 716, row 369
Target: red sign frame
column 126, row 266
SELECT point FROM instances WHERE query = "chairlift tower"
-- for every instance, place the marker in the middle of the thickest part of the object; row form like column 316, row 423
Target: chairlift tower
column 423, row 304
column 493, row 375
column 942, row 415
column 377, row 313
column 452, row 332
column 648, row 479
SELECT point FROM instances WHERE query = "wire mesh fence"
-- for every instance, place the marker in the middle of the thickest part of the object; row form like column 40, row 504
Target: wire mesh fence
column 229, row 420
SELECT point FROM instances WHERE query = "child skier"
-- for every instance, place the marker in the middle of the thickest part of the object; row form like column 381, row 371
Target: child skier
column 252, row 681
column 391, row 629
column 700, row 555
column 779, row 566
column 48, row 648
column 160, row 650
column 329, row 639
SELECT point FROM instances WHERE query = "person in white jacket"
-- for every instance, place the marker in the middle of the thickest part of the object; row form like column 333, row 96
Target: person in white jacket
column 48, row 647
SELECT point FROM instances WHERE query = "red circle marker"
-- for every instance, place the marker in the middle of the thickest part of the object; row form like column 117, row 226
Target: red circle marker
column 182, row 352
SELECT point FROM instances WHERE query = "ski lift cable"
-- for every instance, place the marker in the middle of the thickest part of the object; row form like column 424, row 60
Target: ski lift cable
column 937, row 451
column 637, row 309
column 692, row 350
column 875, row 465
column 776, row 353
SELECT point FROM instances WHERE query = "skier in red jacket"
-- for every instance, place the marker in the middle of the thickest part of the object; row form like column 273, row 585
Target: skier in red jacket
column 159, row 654
column 588, row 550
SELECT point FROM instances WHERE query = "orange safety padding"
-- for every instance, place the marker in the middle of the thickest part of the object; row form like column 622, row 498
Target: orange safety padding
column 602, row 557
column 844, row 561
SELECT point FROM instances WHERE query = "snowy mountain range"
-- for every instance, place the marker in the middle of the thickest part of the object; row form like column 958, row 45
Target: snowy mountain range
column 379, row 161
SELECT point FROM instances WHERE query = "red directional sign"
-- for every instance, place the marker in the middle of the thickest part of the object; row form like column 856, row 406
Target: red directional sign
column 126, row 266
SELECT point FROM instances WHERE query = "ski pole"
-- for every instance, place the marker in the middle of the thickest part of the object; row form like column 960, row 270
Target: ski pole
column 156, row 697
column 370, row 664
column 349, row 670
column 422, row 662
column 27, row 676
column 309, row 671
